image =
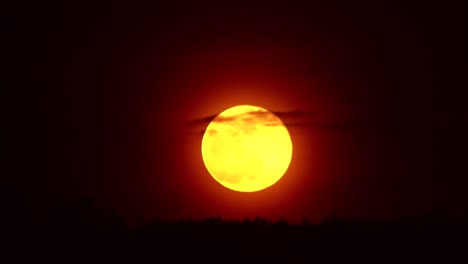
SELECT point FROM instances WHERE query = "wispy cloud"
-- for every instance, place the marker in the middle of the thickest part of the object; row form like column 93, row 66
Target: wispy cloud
column 303, row 119
column 288, row 118
column 294, row 118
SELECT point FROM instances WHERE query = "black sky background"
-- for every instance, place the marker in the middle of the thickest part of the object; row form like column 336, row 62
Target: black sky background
column 79, row 78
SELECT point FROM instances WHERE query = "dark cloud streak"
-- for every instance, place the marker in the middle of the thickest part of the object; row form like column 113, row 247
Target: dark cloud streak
column 300, row 119
column 288, row 118
column 294, row 118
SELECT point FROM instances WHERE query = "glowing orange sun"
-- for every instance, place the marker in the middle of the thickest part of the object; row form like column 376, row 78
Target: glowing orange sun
column 246, row 148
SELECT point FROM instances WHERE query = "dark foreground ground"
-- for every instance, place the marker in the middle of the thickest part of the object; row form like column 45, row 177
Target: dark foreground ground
column 416, row 240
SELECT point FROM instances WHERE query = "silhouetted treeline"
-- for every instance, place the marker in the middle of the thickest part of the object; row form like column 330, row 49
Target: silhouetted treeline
column 80, row 232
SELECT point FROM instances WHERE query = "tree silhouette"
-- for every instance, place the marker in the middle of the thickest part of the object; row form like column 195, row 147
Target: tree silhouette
column 79, row 230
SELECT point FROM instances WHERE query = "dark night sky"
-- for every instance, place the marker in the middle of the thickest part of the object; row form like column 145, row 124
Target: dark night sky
column 102, row 101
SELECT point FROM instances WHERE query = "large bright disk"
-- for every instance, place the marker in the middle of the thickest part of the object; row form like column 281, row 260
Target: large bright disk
column 246, row 148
